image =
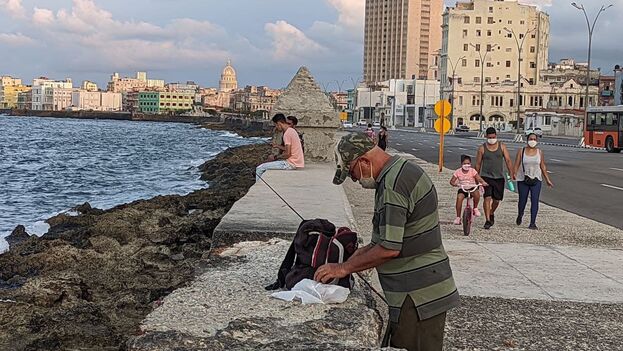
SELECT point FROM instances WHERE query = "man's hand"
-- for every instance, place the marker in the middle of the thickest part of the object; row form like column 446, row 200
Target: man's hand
column 271, row 158
column 330, row 271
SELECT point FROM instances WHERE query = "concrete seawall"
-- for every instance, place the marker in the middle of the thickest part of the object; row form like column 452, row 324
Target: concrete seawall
column 227, row 308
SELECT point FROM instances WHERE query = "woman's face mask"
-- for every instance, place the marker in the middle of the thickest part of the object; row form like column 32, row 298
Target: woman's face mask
column 532, row 143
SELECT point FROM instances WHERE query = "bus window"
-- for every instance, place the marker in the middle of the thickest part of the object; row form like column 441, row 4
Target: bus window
column 601, row 119
column 609, row 118
column 591, row 118
column 615, row 119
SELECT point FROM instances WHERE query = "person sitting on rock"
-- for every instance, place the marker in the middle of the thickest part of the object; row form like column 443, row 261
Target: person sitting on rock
column 292, row 156
column 293, row 123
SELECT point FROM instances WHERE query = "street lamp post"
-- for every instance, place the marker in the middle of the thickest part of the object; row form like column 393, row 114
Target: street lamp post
column 591, row 28
column 453, row 65
column 483, row 59
column 519, row 50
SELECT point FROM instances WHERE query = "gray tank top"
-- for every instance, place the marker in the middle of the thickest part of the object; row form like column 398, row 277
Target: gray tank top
column 493, row 163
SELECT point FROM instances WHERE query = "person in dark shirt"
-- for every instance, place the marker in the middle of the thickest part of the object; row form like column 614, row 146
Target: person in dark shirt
column 382, row 139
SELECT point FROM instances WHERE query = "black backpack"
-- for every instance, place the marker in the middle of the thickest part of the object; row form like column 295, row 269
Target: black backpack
column 316, row 242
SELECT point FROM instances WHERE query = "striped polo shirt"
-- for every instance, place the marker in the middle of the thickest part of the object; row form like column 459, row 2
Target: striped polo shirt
column 406, row 220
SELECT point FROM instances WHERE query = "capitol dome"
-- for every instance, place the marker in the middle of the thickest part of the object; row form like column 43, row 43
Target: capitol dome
column 228, row 82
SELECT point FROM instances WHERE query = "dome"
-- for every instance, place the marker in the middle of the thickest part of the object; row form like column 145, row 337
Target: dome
column 228, row 81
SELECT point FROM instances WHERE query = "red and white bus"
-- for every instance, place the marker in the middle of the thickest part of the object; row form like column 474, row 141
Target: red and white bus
column 605, row 128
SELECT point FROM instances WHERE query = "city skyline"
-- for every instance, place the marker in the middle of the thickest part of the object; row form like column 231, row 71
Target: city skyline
column 90, row 39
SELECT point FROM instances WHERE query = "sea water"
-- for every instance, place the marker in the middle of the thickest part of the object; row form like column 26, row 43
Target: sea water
column 48, row 166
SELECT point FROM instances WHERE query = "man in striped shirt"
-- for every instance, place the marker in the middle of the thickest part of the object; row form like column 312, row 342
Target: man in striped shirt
column 406, row 247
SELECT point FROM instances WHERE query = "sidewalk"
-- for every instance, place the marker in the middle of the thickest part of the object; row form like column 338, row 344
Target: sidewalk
column 227, row 307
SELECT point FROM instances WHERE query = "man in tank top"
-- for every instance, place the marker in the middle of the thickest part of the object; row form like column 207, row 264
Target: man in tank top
column 490, row 165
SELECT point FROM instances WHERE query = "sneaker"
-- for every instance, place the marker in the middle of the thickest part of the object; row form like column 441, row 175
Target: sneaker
column 533, row 227
column 492, row 220
column 488, row 225
column 457, row 221
column 476, row 213
column 518, row 220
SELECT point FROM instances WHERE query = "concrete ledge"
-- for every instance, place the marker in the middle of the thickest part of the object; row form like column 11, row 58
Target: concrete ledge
column 261, row 215
column 227, row 308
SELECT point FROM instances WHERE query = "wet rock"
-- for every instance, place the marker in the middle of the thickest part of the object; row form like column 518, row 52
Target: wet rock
column 18, row 235
column 88, row 282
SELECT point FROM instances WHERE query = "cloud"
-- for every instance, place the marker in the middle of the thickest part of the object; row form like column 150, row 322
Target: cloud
column 103, row 42
column 13, row 7
column 290, row 43
column 16, row 39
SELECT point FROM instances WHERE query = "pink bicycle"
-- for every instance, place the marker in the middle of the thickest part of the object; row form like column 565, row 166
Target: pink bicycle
column 468, row 212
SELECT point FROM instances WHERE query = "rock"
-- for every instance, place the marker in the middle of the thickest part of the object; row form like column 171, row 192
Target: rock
column 89, row 281
column 18, row 235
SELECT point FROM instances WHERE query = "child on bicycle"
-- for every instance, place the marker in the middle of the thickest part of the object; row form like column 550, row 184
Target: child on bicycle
column 468, row 178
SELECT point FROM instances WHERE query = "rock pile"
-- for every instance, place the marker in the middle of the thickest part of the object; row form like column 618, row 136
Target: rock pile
column 89, row 282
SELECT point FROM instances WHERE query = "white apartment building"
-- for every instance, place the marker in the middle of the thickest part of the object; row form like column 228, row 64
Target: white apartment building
column 43, row 97
column 410, row 99
column 89, row 86
column 96, row 101
column 139, row 83
column 9, row 81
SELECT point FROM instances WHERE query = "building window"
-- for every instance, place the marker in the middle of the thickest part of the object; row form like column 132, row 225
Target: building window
column 478, row 33
column 487, row 79
column 464, row 33
column 508, row 63
column 489, row 47
column 488, row 33
column 464, row 62
column 532, row 49
column 477, row 63
column 490, row 20
column 491, row 9
column 460, row 100
column 478, row 20
column 522, row 22
column 476, row 79
column 466, row 20
column 520, row 35
column 532, row 65
column 465, row 47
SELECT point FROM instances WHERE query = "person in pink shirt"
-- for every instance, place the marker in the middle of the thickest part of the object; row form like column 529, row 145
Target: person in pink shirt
column 292, row 156
column 468, row 178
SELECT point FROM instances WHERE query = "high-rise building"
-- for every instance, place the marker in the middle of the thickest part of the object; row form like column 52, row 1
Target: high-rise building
column 402, row 39
column 494, row 28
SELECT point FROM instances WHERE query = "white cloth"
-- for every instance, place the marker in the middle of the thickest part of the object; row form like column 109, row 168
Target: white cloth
column 310, row 292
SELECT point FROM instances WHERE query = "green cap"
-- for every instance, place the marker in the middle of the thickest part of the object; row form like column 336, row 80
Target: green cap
column 349, row 148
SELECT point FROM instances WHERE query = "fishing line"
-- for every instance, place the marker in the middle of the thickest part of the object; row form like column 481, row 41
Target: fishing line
column 302, row 219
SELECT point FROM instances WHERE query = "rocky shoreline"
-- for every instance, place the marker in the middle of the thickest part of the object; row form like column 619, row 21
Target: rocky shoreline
column 89, row 282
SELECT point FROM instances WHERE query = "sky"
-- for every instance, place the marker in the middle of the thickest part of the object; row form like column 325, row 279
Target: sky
column 267, row 40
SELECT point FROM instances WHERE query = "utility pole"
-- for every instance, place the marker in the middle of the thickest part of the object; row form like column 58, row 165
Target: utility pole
column 591, row 28
column 519, row 50
column 483, row 59
column 453, row 65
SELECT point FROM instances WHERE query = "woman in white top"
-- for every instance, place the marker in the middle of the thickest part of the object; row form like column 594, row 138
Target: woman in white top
column 530, row 169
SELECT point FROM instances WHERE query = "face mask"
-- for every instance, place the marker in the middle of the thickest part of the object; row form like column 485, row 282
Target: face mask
column 492, row 141
column 467, row 167
column 532, row 143
column 367, row 183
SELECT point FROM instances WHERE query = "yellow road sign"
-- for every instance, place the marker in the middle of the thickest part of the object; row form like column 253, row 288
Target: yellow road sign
column 443, row 108
column 446, row 125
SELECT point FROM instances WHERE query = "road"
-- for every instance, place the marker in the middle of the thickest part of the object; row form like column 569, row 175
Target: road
column 587, row 182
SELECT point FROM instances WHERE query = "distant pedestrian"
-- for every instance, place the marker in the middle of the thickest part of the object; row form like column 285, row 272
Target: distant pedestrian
column 490, row 165
column 370, row 133
column 531, row 170
column 382, row 139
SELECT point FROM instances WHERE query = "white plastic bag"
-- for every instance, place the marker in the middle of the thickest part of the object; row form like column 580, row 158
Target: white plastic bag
column 310, row 292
